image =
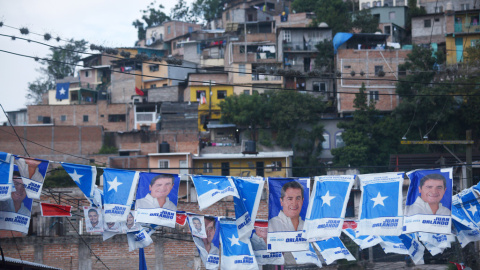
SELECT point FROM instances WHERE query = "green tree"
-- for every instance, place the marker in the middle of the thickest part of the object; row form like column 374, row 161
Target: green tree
column 207, row 10
column 365, row 21
column 369, row 137
column 303, row 5
column 181, row 12
column 336, row 13
column 61, row 62
column 325, row 56
column 308, row 146
column 152, row 16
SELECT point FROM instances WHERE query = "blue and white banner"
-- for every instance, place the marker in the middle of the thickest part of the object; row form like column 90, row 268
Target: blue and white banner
column 414, row 247
column 467, row 199
column 84, row 176
column 15, row 212
column 139, row 239
column 309, row 256
column 237, row 252
column 381, row 204
column 157, row 198
column 118, row 191
column 250, row 192
column 6, row 174
column 466, row 234
column 333, row 249
column 211, row 189
column 97, row 199
column 435, row 243
column 327, row 206
column 429, row 201
column 259, row 246
column 287, row 207
column 33, row 173
column 208, row 248
column 62, row 90
column 393, row 244
column 93, row 219
column 363, row 241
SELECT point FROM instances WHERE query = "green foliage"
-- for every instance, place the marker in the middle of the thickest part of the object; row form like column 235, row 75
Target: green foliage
column 37, row 88
column 303, row 5
column 152, row 16
column 107, row 150
column 325, row 55
column 265, row 138
column 181, row 12
column 208, row 10
column 58, row 178
column 308, row 146
column 365, row 21
column 336, row 13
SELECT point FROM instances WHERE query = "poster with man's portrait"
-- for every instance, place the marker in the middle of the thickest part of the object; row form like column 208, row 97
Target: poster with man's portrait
column 15, row 212
column 157, row 197
column 93, row 219
column 259, row 246
column 131, row 225
column 288, row 203
column 429, row 201
column 197, row 226
column 33, row 172
column 209, row 247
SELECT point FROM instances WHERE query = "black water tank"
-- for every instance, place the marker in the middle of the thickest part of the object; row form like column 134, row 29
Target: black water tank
column 250, row 147
column 164, row 147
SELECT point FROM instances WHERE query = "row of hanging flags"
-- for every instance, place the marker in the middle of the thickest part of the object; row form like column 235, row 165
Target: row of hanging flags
column 300, row 221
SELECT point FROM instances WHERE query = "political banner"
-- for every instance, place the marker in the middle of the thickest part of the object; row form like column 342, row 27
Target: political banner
column 288, row 203
column 436, row 243
column 84, row 176
column 309, row 256
column 208, row 248
column 181, row 218
column 15, row 212
column 55, row 210
column 468, row 199
column 333, row 249
column 466, row 234
column 429, row 201
column 6, row 175
column 211, row 189
column 118, row 191
column 130, row 225
column 115, row 227
column 393, row 244
column 237, row 252
column 414, row 247
column 249, row 191
column 363, row 241
column 381, row 204
column 259, row 246
column 197, row 226
column 139, row 239
column 157, row 198
column 327, row 206
column 93, row 219
column 33, row 173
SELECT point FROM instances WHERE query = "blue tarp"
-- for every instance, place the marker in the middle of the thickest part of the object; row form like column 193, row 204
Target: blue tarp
column 339, row 39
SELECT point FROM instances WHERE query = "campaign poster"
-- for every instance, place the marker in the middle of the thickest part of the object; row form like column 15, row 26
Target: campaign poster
column 328, row 203
column 259, row 246
column 237, row 252
column 130, row 224
column 287, row 207
column 429, row 201
column 208, row 248
column 381, row 204
column 15, row 212
column 93, row 219
column 33, row 173
column 6, row 174
column 157, row 198
column 115, row 227
column 197, row 224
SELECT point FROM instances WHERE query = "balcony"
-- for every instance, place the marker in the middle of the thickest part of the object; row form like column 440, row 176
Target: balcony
column 467, row 28
column 262, row 77
column 298, row 47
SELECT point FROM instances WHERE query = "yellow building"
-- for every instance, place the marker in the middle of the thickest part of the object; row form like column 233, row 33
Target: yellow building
column 463, row 32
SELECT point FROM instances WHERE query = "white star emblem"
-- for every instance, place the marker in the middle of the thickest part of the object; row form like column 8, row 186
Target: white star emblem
column 379, row 199
column 76, row 177
column 473, row 209
column 209, row 182
column 113, row 184
column 327, row 198
column 234, row 241
column 62, row 91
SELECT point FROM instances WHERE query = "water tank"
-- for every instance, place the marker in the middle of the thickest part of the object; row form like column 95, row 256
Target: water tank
column 250, row 147
column 164, row 147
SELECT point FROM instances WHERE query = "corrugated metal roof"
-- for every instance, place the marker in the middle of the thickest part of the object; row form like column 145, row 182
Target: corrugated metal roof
column 23, row 262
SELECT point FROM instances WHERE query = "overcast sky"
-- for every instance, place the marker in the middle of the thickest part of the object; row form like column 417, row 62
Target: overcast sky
column 101, row 22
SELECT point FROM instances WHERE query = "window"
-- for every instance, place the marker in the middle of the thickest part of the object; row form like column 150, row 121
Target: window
column 163, row 164
column 207, row 167
column 116, row 118
column 287, row 36
column 169, row 31
column 63, row 118
column 387, row 29
column 347, row 66
column 391, row 15
column 326, row 142
column 154, row 68
column 39, row 118
column 246, row 92
column 464, row 6
column 373, row 95
column 201, row 94
column 85, row 118
column 437, row 19
column 320, row 87
column 86, row 73
column 402, row 71
column 338, row 140
column 241, row 69
column 227, row 16
column 47, row 120
column 475, row 42
column 438, row 9
column 277, row 166
column 153, row 85
column 378, row 69
column 221, row 94
column 427, row 23
column 190, row 29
